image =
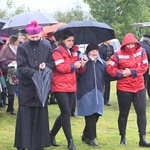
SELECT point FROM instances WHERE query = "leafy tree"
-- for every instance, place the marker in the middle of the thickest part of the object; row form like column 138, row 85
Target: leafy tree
column 10, row 5
column 120, row 14
column 73, row 14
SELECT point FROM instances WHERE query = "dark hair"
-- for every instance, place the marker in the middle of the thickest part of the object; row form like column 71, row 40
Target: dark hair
column 67, row 34
column 13, row 39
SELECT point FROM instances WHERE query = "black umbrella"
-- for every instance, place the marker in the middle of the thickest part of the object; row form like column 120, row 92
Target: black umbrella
column 1, row 41
column 6, row 32
column 19, row 21
column 42, row 81
column 87, row 31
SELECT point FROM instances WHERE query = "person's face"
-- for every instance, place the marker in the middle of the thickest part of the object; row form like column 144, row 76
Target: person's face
column 130, row 46
column 23, row 39
column 35, row 37
column 93, row 54
column 16, row 43
column 51, row 38
column 69, row 42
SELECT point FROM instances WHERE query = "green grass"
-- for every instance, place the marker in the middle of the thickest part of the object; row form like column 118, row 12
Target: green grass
column 107, row 128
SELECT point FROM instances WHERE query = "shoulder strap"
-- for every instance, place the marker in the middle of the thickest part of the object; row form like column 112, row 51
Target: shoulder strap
column 117, row 58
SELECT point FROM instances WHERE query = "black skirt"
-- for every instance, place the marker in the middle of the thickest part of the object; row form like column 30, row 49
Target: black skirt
column 32, row 128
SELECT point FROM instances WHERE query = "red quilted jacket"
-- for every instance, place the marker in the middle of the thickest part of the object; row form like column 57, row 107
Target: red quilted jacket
column 64, row 75
column 135, row 60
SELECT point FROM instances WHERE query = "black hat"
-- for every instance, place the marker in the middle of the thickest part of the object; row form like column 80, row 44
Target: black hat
column 91, row 47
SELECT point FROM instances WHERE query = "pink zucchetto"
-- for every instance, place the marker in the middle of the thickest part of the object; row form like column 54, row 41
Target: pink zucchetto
column 33, row 28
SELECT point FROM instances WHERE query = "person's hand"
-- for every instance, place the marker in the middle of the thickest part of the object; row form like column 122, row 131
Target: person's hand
column 42, row 66
column 14, row 62
column 77, row 64
column 126, row 72
column 84, row 60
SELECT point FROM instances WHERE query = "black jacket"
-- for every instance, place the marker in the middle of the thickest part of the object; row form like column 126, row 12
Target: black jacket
column 106, row 51
column 29, row 57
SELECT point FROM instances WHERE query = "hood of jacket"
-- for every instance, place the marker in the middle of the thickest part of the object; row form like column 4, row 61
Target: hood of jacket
column 130, row 38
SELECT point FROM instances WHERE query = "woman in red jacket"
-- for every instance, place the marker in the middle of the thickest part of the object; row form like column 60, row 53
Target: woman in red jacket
column 128, row 65
column 64, row 85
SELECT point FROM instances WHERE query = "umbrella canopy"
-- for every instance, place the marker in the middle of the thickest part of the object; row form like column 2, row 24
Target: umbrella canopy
column 2, row 22
column 42, row 81
column 87, row 31
column 21, row 20
column 6, row 32
column 1, row 41
column 53, row 28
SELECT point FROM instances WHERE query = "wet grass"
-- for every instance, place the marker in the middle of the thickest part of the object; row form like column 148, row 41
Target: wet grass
column 107, row 129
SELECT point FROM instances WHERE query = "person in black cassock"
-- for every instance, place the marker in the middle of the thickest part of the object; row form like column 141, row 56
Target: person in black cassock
column 32, row 125
column 105, row 51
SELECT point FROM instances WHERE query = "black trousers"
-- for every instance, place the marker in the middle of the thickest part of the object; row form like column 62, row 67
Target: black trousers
column 107, row 91
column 139, row 102
column 108, row 80
column 10, row 107
column 90, row 126
column 65, row 102
column 148, row 86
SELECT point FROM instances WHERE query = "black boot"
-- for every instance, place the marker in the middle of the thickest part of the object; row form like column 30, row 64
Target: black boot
column 143, row 142
column 71, row 145
column 53, row 141
column 123, row 140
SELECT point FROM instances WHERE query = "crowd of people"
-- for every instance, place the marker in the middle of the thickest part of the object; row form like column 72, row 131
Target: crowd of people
column 81, row 83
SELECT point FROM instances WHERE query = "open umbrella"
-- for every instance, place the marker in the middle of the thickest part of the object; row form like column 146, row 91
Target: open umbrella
column 6, row 32
column 42, row 81
column 21, row 20
column 87, row 31
column 53, row 28
column 1, row 41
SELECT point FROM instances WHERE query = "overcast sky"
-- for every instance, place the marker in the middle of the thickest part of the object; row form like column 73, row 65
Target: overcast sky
column 49, row 6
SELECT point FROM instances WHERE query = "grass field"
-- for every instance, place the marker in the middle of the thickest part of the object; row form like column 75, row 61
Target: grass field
column 107, row 129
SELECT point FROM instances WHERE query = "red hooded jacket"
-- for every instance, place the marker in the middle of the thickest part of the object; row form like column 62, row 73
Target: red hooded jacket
column 64, row 75
column 135, row 60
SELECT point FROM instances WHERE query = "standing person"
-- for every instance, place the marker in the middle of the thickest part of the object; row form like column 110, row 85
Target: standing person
column 64, row 85
column 128, row 66
column 8, row 60
column 145, row 43
column 22, row 38
column 32, row 125
column 90, row 100
column 106, row 51
column 52, row 40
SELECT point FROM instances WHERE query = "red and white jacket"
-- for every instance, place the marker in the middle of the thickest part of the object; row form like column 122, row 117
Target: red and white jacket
column 135, row 60
column 64, row 75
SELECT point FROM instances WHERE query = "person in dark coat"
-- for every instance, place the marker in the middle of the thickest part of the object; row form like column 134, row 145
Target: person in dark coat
column 106, row 51
column 8, row 64
column 128, row 66
column 90, row 87
column 50, row 37
column 145, row 43
column 32, row 125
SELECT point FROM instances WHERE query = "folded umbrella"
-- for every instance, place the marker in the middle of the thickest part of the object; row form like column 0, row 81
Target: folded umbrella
column 42, row 81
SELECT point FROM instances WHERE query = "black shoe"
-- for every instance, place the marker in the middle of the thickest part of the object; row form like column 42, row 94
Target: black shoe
column 12, row 113
column 123, row 141
column 143, row 142
column 83, row 138
column 53, row 141
column 71, row 145
column 91, row 142
column 107, row 104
